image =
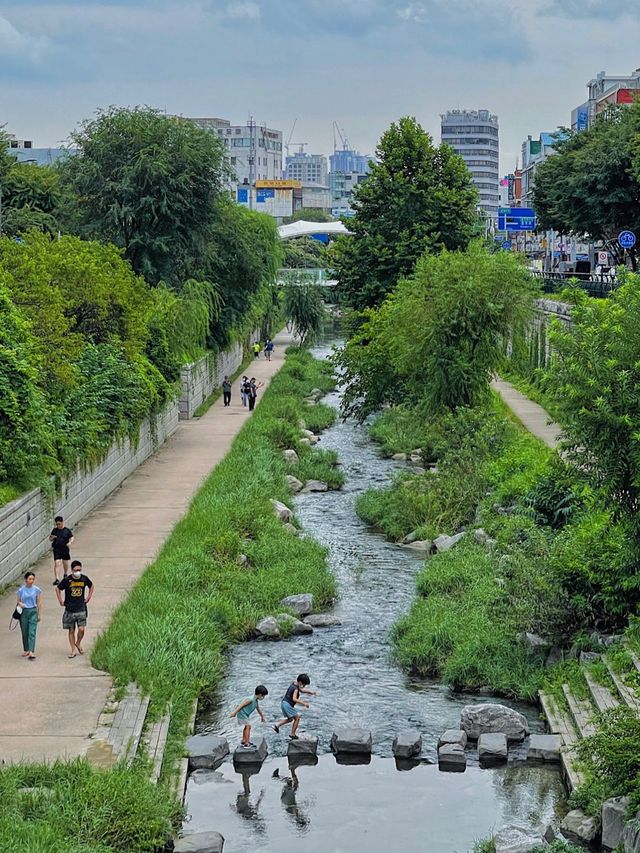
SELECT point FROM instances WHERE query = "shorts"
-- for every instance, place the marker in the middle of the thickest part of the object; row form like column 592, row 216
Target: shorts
column 288, row 710
column 61, row 554
column 74, row 619
column 243, row 721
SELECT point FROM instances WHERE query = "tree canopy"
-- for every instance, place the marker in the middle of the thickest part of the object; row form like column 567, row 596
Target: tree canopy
column 418, row 198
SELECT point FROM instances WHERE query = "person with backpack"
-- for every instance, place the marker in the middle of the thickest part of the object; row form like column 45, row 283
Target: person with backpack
column 244, row 390
column 226, row 391
column 268, row 349
column 253, row 392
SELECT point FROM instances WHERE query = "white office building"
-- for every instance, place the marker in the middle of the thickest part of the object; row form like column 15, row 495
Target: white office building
column 474, row 135
column 307, row 168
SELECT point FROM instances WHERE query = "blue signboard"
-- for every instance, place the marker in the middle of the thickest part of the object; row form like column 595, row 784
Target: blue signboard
column 582, row 121
column 263, row 195
column 506, row 245
column 627, row 239
column 516, row 219
column 243, row 196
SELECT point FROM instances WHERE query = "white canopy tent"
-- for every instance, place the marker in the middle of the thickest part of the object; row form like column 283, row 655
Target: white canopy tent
column 304, row 229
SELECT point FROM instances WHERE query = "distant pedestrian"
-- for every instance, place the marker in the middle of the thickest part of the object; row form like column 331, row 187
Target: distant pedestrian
column 268, row 349
column 60, row 537
column 256, row 349
column 289, row 702
column 253, row 392
column 244, row 390
column 244, row 711
column 29, row 606
column 226, row 391
column 78, row 591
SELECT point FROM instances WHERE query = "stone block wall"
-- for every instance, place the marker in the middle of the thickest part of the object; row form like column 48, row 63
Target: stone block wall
column 27, row 521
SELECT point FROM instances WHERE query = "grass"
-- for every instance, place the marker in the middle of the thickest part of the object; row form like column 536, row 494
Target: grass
column 171, row 634
column 398, row 430
column 9, row 493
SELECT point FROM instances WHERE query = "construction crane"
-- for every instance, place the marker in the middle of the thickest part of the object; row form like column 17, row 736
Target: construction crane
column 288, row 142
column 343, row 138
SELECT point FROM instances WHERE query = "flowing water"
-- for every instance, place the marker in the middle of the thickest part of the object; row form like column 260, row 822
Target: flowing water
column 332, row 807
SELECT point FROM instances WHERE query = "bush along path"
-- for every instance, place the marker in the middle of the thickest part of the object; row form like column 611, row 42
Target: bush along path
column 227, row 563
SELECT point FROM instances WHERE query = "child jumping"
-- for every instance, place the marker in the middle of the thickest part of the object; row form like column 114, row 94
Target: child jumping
column 289, row 701
column 244, row 711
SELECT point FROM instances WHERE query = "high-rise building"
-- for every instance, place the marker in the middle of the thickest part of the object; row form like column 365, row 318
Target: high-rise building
column 254, row 150
column 534, row 152
column 473, row 134
column 603, row 92
column 348, row 169
column 348, row 160
column 308, row 168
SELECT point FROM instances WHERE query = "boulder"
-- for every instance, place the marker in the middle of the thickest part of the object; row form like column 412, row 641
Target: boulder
column 452, row 758
column 267, row 629
column 585, row 658
column 577, row 825
column 420, row 546
column 631, row 836
column 316, row 393
column 290, row 456
column 304, row 746
column 293, row 482
column 399, row 457
column 253, row 755
column 351, row 740
column 418, row 469
column 206, row 752
column 291, row 528
column 410, row 537
column 281, row 510
column 479, row 536
column 534, row 642
column 456, row 736
column 489, row 717
column 307, row 432
column 518, row 839
column 613, row 820
column 407, row 744
column 199, row 842
column 301, row 604
column 544, row 748
column 293, row 627
column 305, row 441
column 492, row 748
column 321, row 620
column 445, row 543
column 243, row 561
column 555, row 656
column 490, row 544
column 314, row 486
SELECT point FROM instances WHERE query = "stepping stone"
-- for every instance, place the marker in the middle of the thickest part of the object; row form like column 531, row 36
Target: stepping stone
column 351, row 740
column 206, row 752
column 544, row 748
column 407, row 744
column 253, row 755
column 304, row 746
column 452, row 758
column 450, row 736
column 492, row 748
column 199, row 842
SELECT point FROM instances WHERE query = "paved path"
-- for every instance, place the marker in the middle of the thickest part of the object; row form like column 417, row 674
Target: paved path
column 50, row 706
column 532, row 416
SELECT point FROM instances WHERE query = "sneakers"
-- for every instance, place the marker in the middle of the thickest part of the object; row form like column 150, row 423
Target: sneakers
column 293, row 737
column 276, row 730
column 56, row 582
column 248, row 745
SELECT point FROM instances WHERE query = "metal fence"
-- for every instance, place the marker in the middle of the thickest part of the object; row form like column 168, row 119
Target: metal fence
column 598, row 286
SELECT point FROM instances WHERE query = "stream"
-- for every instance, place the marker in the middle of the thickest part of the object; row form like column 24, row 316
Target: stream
column 336, row 808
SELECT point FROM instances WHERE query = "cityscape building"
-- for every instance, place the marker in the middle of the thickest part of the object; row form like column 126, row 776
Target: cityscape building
column 24, row 151
column 474, row 135
column 602, row 92
column 308, row 168
column 534, row 152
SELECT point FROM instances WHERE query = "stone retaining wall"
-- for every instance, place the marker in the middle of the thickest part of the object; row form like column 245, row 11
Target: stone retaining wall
column 27, row 521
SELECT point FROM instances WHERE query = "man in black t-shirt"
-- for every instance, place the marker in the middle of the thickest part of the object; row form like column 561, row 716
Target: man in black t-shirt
column 60, row 537
column 78, row 591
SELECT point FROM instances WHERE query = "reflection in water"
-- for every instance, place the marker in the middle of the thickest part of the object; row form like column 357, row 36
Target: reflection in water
column 359, row 808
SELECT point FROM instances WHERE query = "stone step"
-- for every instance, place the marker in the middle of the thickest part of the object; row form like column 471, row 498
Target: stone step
column 634, row 657
column 582, row 712
column 627, row 694
column 560, row 723
column 603, row 698
column 156, row 740
column 128, row 721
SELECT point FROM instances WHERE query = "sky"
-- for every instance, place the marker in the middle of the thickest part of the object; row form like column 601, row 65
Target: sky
column 361, row 63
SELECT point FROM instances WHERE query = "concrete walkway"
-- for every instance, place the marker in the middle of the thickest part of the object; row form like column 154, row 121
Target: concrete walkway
column 532, row 416
column 49, row 707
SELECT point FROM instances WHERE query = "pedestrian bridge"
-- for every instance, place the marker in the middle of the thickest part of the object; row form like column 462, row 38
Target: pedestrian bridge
column 310, row 229
column 303, row 277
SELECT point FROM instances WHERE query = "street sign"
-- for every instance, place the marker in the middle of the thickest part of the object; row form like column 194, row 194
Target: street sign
column 627, row 239
column 506, row 245
column 516, row 219
column 603, row 258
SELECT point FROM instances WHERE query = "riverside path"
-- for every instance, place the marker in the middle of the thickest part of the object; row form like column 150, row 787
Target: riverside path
column 532, row 416
column 49, row 707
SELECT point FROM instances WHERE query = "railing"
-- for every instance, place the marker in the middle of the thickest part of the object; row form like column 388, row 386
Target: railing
column 598, row 286
column 303, row 277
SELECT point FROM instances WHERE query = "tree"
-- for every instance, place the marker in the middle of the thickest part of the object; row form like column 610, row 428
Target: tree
column 304, row 307
column 308, row 214
column 592, row 184
column 148, row 183
column 418, row 198
column 438, row 337
column 304, row 252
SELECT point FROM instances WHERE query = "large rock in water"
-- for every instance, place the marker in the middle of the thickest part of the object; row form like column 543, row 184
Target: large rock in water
column 206, row 752
column 421, row 546
column 446, row 543
column 303, row 747
column 544, row 748
column 253, row 755
column 613, row 819
column 301, row 604
column 293, row 482
column 518, row 839
column 281, row 510
column 314, row 486
column 456, row 736
column 407, row 744
column 199, row 842
column 322, row 620
column 452, row 758
column 351, row 740
column 631, row 836
column 492, row 748
column 580, row 826
column 291, row 626
column 267, row 629
column 489, row 717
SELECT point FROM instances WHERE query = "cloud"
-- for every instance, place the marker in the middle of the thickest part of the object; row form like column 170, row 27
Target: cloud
column 242, row 11
column 605, row 9
column 20, row 45
column 413, row 12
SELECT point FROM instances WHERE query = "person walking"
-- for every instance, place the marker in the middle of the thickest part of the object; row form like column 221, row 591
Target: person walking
column 244, row 711
column 268, row 349
column 226, row 391
column 60, row 537
column 256, row 349
column 29, row 606
column 78, row 591
column 289, row 701
column 244, row 390
column 253, row 392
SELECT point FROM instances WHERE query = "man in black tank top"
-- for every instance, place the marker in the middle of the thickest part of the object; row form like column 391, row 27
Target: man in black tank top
column 291, row 700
